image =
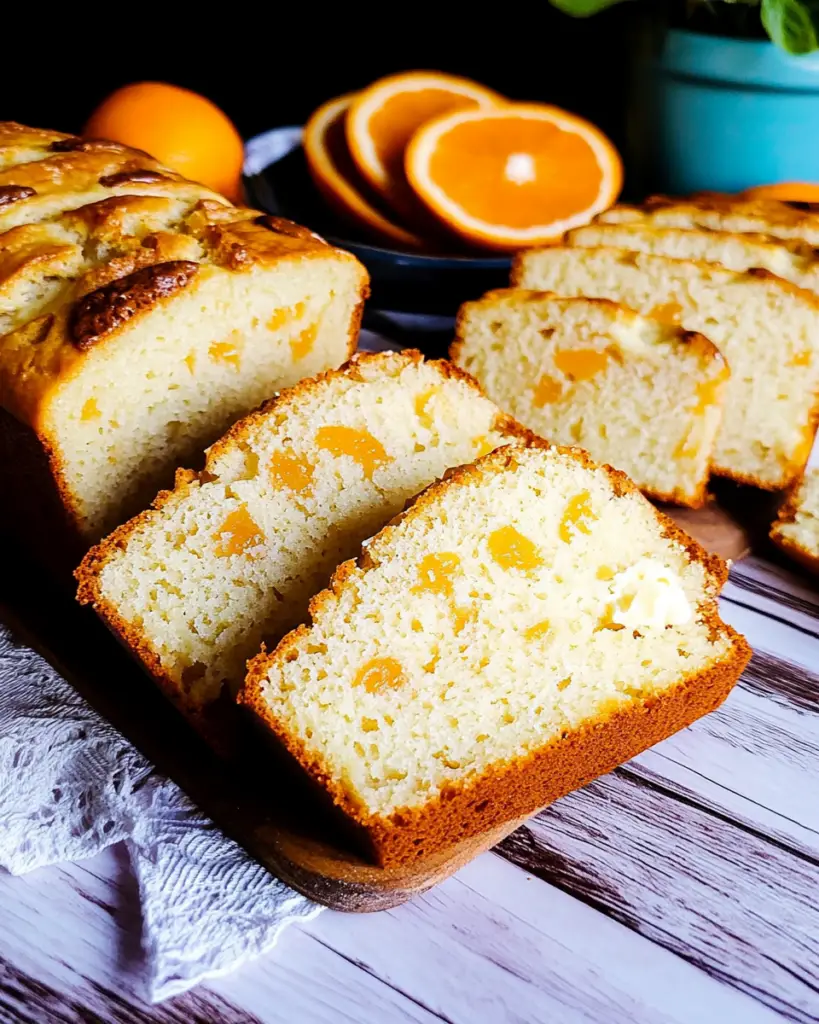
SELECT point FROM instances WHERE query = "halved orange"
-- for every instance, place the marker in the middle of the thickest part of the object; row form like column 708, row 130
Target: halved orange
column 383, row 118
column 513, row 176
column 786, row 191
column 337, row 178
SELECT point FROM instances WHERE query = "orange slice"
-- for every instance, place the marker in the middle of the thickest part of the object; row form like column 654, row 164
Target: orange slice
column 383, row 118
column 513, row 176
column 786, row 191
column 337, row 178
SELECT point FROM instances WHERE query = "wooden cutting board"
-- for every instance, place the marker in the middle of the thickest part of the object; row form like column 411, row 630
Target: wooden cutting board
column 264, row 806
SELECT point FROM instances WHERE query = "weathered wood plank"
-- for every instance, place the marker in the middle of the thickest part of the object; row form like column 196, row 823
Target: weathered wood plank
column 24, row 998
column 773, row 635
column 755, row 759
column 492, row 944
column 727, row 900
column 70, row 951
column 773, row 590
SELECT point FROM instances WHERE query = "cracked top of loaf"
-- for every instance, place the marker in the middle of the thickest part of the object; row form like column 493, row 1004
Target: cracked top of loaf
column 718, row 211
column 94, row 234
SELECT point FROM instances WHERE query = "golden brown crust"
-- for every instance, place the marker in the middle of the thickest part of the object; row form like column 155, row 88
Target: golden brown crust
column 78, row 168
column 88, row 573
column 772, row 210
column 75, row 144
column 12, row 133
column 788, row 511
column 14, row 193
column 796, row 246
column 766, row 220
column 790, row 470
column 759, row 273
column 508, row 791
column 283, row 226
column 64, row 160
column 144, row 177
column 108, row 308
column 234, row 239
column 244, row 242
column 806, row 558
column 786, row 286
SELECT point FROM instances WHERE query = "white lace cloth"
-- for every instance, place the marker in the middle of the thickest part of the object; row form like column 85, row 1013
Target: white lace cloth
column 70, row 785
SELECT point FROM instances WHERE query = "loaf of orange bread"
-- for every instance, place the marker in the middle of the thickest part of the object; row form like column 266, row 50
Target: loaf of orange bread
column 766, row 328
column 140, row 315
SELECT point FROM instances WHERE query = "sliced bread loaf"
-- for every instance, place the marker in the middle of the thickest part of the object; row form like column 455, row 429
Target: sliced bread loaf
column 794, row 261
column 634, row 392
column 135, row 328
column 766, row 328
column 796, row 530
column 527, row 624
column 232, row 555
column 721, row 212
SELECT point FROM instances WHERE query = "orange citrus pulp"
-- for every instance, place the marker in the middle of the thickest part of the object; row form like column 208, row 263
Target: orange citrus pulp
column 513, row 176
column 338, row 179
column 383, row 118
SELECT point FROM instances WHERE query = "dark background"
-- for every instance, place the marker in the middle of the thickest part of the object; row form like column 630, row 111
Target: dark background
column 266, row 68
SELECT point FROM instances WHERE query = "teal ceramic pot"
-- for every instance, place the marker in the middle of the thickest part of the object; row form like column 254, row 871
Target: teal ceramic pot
column 731, row 113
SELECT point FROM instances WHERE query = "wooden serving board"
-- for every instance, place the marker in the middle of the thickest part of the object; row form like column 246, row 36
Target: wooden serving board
column 266, row 809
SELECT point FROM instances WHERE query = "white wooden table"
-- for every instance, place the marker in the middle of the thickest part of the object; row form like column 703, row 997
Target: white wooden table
column 683, row 887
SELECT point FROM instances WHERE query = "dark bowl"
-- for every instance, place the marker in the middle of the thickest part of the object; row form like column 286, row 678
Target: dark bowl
column 276, row 179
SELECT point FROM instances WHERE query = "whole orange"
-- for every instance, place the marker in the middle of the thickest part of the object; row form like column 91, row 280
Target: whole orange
column 178, row 127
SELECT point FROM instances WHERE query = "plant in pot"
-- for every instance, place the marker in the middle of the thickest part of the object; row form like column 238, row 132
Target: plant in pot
column 729, row 99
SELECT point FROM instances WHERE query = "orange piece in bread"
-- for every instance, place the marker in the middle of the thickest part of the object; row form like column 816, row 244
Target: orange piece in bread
column 384, row 117
column 179, row 128
column 513, row 176
column 337, row 178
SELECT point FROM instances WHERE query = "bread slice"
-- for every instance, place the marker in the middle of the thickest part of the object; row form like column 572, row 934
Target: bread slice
column 794, row 261
column 796, row 530
column 721, row 212
column 136, row 328
column 766, row 328
column 528, row 623
column 232, row 555
column 634, row 392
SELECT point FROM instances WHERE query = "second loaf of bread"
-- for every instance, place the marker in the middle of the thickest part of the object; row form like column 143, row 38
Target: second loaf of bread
column 766, row 328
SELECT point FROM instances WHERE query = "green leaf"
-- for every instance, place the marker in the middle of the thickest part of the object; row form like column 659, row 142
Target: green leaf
column 583, row 8
column 792, row 24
